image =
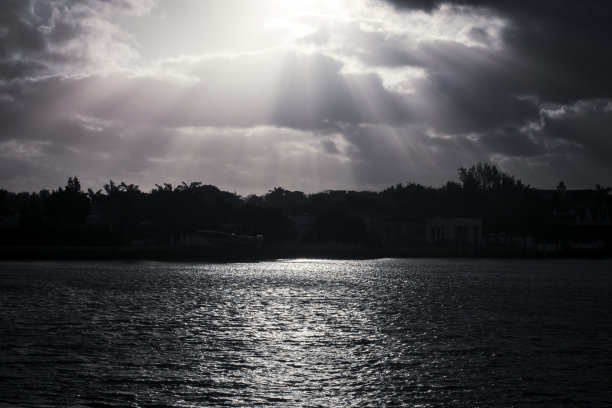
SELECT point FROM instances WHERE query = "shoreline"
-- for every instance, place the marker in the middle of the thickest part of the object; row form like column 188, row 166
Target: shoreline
column 176, row 253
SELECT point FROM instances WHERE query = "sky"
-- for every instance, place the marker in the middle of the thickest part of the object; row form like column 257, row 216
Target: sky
column 308, row 95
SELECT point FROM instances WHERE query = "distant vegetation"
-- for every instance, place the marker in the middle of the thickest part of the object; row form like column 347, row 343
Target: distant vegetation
column 121, row 213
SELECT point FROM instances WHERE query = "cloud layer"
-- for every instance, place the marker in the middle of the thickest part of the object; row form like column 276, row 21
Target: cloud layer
column 380, row 93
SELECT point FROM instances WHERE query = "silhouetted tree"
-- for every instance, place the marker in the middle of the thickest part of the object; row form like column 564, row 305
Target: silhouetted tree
column 68, row 206
column 285, row 200
column 73, row 184
column 123, row 206
column 485, row 176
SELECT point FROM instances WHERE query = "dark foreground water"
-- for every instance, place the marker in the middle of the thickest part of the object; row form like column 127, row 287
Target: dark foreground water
column 424, row 333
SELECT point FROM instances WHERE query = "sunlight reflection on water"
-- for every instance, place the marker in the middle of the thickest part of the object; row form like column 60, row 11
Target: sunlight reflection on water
column 307, row 333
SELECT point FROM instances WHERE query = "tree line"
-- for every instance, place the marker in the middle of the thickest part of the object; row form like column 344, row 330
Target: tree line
column 121, row 213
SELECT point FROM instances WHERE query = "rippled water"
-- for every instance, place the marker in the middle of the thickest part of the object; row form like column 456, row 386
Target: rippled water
column 428, row 333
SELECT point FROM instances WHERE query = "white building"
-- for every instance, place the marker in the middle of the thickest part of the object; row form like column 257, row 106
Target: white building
column 455, row 230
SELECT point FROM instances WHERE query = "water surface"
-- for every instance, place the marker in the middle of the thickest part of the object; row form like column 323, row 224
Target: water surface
column 426, row 333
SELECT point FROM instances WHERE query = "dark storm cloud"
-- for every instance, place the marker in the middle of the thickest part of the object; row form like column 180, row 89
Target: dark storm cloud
column 18, row 69
column 564, row 44
column 20, row 39
column 586, row 125
column 42, row 37
column 470, row 90
column 329, row 146
column 511, row 142
column 18, row 28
